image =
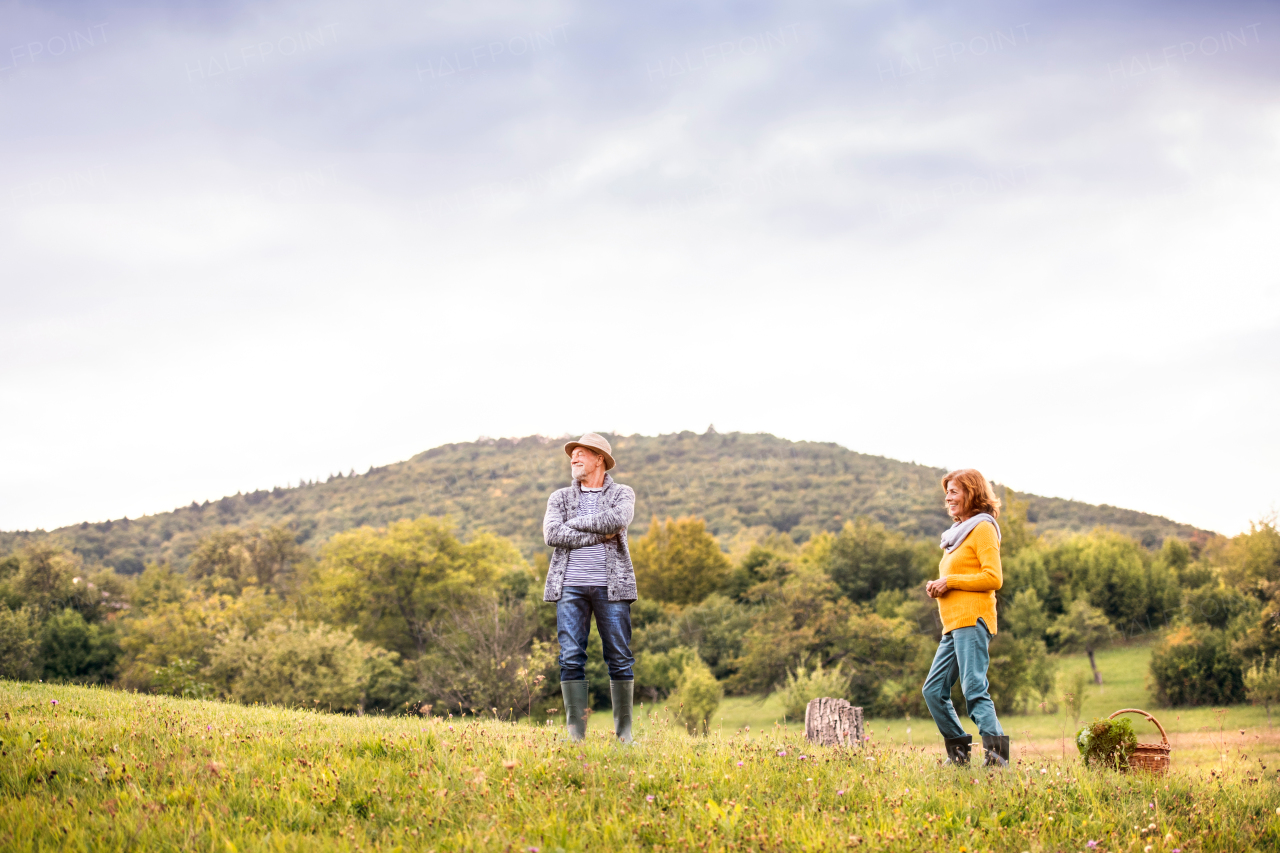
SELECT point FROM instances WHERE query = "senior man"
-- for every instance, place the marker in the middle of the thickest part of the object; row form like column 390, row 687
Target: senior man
column 591, row 574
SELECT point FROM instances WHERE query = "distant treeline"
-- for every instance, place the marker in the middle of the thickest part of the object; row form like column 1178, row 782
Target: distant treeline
column 412, row 617
column 744, row 486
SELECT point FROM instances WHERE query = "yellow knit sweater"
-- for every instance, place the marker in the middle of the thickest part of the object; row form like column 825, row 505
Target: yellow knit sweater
column 973, row 575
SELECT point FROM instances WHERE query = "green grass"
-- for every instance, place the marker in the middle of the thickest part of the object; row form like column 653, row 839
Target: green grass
column 1199, row 736
column 105, row 770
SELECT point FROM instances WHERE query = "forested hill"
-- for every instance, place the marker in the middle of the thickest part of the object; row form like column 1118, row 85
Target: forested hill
column 734, row 480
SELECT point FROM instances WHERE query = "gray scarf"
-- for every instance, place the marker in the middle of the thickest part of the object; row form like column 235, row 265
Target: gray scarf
column 956, row 533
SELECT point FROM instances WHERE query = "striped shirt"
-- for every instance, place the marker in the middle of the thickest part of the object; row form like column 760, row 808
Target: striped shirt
column 586, row 565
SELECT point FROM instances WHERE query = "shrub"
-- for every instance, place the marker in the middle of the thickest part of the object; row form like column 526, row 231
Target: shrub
column 697, row 696
column 292, row 664
column 1263, row 684
column 182, row 678
column 805, row 684
column 658, row 673
column 1074, row 690
column 1197, row 666
column 1107, row 743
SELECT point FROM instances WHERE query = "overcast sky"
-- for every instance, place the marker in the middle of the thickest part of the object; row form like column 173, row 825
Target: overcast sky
column 244, row 244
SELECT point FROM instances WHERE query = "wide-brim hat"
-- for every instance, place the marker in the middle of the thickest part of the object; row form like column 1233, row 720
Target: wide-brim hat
column 596, row 442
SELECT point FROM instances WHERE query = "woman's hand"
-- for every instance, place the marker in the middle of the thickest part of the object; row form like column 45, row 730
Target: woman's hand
column 936, row 589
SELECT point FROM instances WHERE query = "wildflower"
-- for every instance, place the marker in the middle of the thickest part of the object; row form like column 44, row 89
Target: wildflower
column 53, row 701
column 810, row 779
column 649, row 798
column 739, row 763
column 208, row 728
column 782, row 752
column 803, row 757
column 1043, row 771
column 1148, row 849
column 534, row 849
column 839, row 793
column 510, row 765
column 1091, row 844
column 450, row 728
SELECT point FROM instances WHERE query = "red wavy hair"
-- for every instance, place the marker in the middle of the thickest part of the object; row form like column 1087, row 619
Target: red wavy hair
column 978, row 496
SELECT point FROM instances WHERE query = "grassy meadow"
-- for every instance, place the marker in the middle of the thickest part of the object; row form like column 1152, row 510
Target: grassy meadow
column 96, row 769
column 1203, row 738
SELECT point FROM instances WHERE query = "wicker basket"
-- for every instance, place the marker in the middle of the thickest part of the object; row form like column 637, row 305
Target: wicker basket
column 1148, row 756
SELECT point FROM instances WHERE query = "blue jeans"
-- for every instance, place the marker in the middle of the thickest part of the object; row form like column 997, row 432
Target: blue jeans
column 573, row 624
column 962, row 655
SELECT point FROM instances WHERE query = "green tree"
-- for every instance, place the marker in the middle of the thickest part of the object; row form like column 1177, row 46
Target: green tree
column 153, row 639
column 716, row 627
column 1250, row 562
column 18, row 646
column 886, row 661
column 1083, row 627
column 678, row 561
column 72, row 649
column 697, row 697
column 1024, row 616
column 46, row 579
column 1021, row 672
column 801, row 616
column 1115, row 574
column 866, row 558
column 1218, row 605
column 158, row 586
column 391, row 583
column 227, row 560
column 1016, row 532
column 1175, row 556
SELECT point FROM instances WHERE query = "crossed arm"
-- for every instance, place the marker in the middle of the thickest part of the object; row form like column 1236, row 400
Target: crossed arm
column 559, row 535
column 610, row 521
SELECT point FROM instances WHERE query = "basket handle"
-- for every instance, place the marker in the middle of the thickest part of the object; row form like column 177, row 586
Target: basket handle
column 1145, row 714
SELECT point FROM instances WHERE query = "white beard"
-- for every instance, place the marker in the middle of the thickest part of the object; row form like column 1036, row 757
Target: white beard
column 579, row 472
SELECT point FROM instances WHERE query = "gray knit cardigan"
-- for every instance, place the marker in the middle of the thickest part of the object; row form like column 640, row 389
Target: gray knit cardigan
column 565, row 530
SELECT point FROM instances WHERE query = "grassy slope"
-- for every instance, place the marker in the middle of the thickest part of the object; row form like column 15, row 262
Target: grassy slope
column 1200, row 736
column 108, row 770
column 735, row 481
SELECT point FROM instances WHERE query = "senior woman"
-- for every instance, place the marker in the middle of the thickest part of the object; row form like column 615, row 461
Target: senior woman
column 968, row 578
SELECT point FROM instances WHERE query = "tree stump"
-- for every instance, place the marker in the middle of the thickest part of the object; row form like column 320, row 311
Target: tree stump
column 832, row 722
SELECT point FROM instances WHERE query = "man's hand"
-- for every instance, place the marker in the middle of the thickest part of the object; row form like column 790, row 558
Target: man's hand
column 936, row 589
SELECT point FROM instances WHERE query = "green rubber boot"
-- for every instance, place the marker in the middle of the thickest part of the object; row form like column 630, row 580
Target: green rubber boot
column 576, row 702
column 622, row 693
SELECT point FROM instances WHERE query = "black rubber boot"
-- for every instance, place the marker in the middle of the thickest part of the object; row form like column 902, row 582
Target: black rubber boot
column 576, row 702
column 996, row 748
column 622, row 692
column 958, row 750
